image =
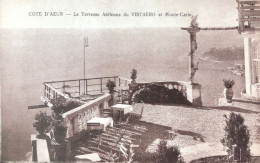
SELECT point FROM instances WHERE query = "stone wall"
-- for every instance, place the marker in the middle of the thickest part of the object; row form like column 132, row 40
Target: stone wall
column 77, row 118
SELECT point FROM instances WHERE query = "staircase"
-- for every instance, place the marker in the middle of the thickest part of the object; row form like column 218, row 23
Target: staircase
column 108, row 143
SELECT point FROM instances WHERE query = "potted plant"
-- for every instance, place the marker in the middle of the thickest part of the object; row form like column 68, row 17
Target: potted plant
column 228, row 91
column 133, row 75
column 60, row 132
column 42, row 123
column 111, row 86
column 59, row 127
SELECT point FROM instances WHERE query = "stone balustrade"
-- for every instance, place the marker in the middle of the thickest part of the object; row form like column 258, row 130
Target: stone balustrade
column 192, row 91
column 77, row 118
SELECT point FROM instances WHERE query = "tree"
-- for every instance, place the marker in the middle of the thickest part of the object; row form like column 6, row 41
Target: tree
column 133, row 74
column 236, row 138
column 167, row 155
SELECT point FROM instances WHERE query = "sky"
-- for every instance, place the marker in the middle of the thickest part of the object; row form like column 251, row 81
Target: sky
column 15, row 13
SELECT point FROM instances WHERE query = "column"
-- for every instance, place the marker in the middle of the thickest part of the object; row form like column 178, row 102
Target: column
column 247, row 52
column 193, row 48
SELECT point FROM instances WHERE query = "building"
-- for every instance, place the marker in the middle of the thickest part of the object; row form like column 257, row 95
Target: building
column 249, row 28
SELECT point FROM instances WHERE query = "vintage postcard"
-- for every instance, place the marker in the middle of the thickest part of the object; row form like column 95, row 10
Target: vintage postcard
column 130, row 80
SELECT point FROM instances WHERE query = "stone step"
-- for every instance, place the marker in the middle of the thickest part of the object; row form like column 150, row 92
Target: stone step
column 98, row 149
column 135, row 128
column 122, row 140
column 105, row 134
column 105, row 147
column 112, row 144
column 128, row 131
column 84, row 150
column 118, row 134
column 102, row 155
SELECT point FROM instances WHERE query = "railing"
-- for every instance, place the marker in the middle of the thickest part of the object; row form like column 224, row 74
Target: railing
column 191, row 91
column 51, row 93
column 123, row 82
column 78, row 87
column 181, row 86
column 248, row 14
column 77, row 118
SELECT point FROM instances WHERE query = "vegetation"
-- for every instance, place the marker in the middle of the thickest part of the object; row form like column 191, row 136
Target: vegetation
column 59, row 127
column 167, row 155
column 61, row 105
column 228, row 83
column 111, row 86
column 225, row 54
column 154, row 93
column 133, row 74
column 236, row 138
column 131, row 118
column 42, row 122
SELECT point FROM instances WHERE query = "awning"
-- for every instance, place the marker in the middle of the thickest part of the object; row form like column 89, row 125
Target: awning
column 88, row 157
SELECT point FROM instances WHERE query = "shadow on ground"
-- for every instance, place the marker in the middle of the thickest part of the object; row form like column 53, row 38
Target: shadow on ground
column 149, row 135
column 234, row 109
column 192, row 134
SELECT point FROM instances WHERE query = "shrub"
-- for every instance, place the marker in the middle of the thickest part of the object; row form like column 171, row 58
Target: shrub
column 228, row 83
column 111, row 86
column 167, row 155
column 61, row 105
column 60, row 131
column 154, row 93
column 58, row 105
column 236, row 137
column 71, row 105
column 43, row 122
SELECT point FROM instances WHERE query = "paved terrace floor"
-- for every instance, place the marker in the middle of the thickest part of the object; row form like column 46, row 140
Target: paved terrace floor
column 202, row 126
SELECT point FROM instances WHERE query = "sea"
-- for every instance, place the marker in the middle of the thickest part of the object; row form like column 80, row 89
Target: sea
column 29, row 57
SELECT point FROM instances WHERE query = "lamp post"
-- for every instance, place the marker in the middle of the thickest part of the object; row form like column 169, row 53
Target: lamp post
column 85, row 45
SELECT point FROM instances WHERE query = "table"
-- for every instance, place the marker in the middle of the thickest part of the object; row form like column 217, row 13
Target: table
column 98, row 123
column 121, row 109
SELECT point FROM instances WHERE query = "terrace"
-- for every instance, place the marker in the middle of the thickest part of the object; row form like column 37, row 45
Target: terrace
column 195, row 130
column 83, row 90
column 96, row 104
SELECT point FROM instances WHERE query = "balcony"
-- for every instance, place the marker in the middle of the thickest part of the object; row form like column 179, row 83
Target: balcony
column 248, row 16
column 82, row 90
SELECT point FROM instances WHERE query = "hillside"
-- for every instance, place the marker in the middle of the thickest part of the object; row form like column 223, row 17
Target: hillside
column 224, row 54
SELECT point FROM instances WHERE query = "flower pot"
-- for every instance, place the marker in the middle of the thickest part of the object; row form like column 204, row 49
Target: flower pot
column 133, row 81
column 111, row 90
column 41, row 135
column 60, row 135
column 228, row 94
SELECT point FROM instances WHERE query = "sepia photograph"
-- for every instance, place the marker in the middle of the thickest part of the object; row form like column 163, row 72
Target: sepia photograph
column 129, row 82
